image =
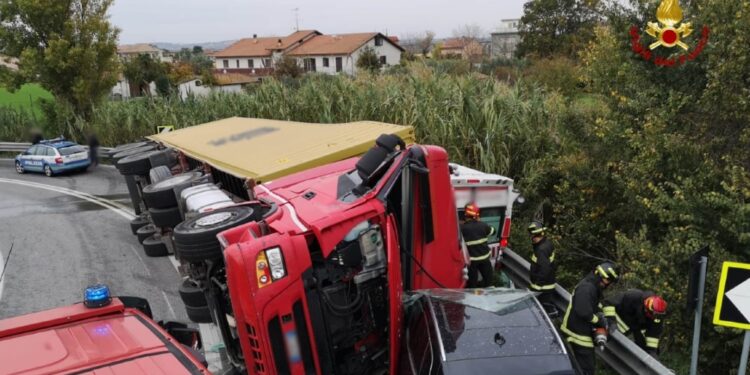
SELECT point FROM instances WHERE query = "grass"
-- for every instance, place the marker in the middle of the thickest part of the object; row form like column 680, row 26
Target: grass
column 26, row 98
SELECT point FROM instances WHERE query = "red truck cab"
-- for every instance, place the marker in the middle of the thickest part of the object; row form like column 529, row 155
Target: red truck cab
column 316, row 286
column 112, row 339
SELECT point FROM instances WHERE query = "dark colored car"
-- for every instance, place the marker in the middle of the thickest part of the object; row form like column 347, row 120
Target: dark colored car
column 490, row 331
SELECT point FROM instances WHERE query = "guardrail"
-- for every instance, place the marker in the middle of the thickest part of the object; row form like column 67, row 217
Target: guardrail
column 621, row 354
column 22, row 146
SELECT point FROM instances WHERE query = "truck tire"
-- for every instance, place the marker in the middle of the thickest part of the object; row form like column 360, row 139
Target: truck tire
column 138, row 164
column 145, row 231
column 154, row 247
column 128, row 146
column 200, row 314
column 165, row 217
column 137, row 223
column 166, row 158
column 195, row 239
column 132, row 151
column 159, row 173
column 191, row 295
column 161, row 194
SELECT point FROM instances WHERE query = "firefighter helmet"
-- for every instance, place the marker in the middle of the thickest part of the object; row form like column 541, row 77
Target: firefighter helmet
column 654, row 305
column 607, row 271
column 471, row 211
column 536, row 227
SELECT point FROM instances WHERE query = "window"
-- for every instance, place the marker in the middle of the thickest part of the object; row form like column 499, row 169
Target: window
column 325, row 62
column 419, row 337
column 378, row 41
column 250, row 63
column 309, row 64
column 226, row 63
column 50, row 151
column 267, row 63
column 32, row 150
column 339, row 64
column 71, row 150
column 237, row 62
column 383, row 60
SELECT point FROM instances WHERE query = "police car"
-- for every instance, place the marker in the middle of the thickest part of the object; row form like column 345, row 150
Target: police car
column 53, row 156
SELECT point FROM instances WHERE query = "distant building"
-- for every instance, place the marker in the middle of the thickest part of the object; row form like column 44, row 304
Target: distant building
column 505, row 40
column 256, row 57
column 127, row 52
column 462, row 48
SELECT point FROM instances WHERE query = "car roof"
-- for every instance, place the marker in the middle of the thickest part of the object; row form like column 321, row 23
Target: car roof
column 498, row 328
column 76, row 339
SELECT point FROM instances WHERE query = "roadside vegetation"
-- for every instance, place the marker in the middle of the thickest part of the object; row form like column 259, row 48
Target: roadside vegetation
column 622, row 159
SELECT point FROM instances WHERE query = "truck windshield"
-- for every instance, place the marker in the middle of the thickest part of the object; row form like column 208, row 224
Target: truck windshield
column 498, row 301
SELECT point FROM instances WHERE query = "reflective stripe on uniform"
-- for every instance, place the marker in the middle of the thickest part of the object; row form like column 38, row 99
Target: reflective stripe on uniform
column 476, row 242
column 542, row 287
column 594, row 320
column 621, row 324
column 483, row 257
column 574, row 338
column 652, row 342
column 551, row 259
column 609, row 311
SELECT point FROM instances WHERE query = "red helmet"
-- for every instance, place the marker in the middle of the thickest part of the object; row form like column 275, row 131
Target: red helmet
column 471, row 211
column 654, row 305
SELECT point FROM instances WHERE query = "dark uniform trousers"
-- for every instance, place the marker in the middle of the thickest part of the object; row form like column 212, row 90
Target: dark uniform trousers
column 476, row 235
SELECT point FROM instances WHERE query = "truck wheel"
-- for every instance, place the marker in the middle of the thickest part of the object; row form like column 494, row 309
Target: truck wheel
column 165, row 217
column 192, row 295
column 138, row 164
column 129, row 146
column 137, row 223
column 159, row 173
column 161, row 194
column 154, row 247
column 199, row 314
column 132, row 151
column 195, row 239
column 145, row 231
column 166, row 158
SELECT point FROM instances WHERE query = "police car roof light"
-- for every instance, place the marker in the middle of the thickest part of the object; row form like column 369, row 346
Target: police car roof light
column 96, row 296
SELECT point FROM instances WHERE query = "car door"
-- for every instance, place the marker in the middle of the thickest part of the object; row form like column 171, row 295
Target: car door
column 30, row 160
column 49, row 155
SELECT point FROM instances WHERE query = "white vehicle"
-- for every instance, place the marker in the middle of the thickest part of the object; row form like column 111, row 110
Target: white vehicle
column 494, row 194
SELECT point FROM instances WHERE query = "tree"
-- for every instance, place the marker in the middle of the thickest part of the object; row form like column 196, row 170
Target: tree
column 557, row 27
column 287, row 67
column 368, row 60
column 69, row 47
column 419, row 43
column 469, row 31
column 141, row 71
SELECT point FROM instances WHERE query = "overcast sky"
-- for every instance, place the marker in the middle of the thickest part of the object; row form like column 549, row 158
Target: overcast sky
column 193, row 21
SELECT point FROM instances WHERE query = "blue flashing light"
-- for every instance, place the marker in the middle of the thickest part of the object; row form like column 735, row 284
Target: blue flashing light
column 96, row 296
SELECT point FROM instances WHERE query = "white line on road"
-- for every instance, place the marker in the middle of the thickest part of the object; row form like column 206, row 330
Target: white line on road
column 2, row 268
column 106, row 203
column 171, row 310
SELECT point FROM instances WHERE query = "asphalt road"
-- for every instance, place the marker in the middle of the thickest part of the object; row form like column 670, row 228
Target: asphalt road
column 61, row 243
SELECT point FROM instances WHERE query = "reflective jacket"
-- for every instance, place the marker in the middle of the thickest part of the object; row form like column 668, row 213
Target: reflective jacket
column 627, row 310
column 476, row 234
column 580, row 317
column 542, row 272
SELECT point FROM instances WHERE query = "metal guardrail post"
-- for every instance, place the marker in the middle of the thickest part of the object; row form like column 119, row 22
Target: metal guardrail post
column 621, row 354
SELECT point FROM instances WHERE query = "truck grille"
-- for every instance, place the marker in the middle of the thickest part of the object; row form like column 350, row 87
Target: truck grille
column 252, row 337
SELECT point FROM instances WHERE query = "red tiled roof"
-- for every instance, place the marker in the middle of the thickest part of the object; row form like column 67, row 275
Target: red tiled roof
column 456, row 43
column 263, row 47
column 342, row 44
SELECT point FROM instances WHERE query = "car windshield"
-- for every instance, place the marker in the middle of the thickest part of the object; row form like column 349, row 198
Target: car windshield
column 71, row 150
column 497, row 300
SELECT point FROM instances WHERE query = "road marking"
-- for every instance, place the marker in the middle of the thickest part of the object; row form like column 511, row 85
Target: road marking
column 171, row 310
column 2, row 268
column 141, row 259
column 106, row 203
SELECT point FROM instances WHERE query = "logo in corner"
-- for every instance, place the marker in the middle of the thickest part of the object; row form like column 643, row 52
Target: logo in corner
column 668, row 32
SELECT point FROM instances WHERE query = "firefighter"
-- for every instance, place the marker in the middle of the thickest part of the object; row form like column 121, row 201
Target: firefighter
column 476, row 235
column 583, row 314
column 640, row 313
column 542, row 272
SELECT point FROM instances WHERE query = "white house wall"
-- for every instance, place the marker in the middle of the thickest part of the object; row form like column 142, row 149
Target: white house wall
column 349, row 62
column 243, row 62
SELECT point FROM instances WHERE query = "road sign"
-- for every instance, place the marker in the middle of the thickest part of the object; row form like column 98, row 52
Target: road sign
column 733, row 299
column 164, row 128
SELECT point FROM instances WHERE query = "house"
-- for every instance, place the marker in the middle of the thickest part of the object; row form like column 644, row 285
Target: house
column 127, row 52
column 505, row 40
column 256, row 56
column 333, row 54
column 224, row 82
column 464, row 48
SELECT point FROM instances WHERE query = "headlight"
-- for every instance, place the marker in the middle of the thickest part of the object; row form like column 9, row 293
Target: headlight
column 269, row 266
column 276, row 261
